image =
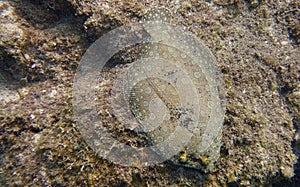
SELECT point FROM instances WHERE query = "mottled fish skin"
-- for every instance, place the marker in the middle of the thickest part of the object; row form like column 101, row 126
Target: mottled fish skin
column 203, row 150
column 160, row 14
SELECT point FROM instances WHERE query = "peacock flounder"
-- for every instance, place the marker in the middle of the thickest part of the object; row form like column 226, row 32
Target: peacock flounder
column 164, row 105
column 175, row 84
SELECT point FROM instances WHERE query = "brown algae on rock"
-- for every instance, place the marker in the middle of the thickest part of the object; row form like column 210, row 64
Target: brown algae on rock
column 231, row 33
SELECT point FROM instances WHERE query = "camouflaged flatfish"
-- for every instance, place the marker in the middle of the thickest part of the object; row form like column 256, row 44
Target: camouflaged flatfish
column 164, row 105
column 175, row 84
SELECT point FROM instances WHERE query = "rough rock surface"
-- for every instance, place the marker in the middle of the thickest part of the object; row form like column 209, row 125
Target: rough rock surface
column 256, row 44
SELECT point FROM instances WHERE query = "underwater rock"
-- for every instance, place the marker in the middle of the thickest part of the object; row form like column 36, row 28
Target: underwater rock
column 255, row 48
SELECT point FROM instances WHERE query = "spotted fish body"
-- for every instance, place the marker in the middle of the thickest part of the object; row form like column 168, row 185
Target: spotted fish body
column 165, row 105
column 178, row 86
